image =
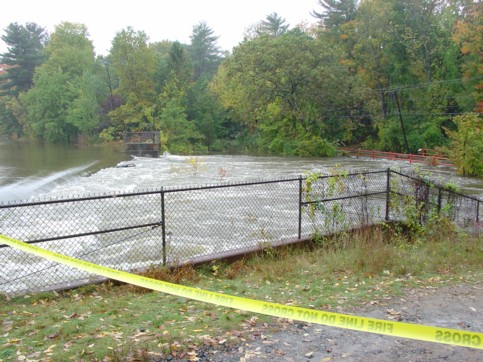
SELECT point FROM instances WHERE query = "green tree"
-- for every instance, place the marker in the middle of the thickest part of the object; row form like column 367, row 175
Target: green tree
column 467, row 144
column 170, row 111
column 289, row 91
column 133, row 64
column 206, row 113
column 204, row 52
column 25, row 53
column 25, row 45
column 273, row 25
column 336, row 13
column 371, row 51
column 180, row 65
column 403, row 51
column 162, row 52
column 468, row 36
column 180, row 133
column 63, row 102
column 47, row 105
column 10, row 122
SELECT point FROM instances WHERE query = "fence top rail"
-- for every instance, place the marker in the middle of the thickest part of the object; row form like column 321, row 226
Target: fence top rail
column 172, row 189
column 304, row 203
column 426, row 154
column 432, row 184
column 164, row 189
column 353, row 174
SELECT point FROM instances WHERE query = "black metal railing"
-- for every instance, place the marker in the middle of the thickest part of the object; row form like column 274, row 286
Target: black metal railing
column 167, row 226
column 141, row 137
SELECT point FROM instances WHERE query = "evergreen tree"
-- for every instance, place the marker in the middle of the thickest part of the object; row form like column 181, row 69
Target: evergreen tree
column 179, row 64
column 336, row 12
column 25, row 45
column 273, row 25
column 205, row 54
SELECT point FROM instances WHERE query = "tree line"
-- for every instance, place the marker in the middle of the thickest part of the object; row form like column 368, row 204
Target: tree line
column 396, row 75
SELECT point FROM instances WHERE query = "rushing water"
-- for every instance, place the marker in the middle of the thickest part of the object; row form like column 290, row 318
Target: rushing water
column 45, row 171
column 256, row 215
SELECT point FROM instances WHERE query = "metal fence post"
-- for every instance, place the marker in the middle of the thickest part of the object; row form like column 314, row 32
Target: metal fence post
column 477, row 211
column 388, row 192
column 440, row 196
column 163, row 226
column 300, row 209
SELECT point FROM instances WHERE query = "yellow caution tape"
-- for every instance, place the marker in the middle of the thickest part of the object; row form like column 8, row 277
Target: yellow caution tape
column 372, row 325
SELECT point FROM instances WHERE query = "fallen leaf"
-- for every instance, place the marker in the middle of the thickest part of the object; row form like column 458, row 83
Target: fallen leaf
column 53, row 335
column 192, row 356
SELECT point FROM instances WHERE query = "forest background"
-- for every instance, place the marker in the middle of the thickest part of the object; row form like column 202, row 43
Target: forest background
column 394, row 75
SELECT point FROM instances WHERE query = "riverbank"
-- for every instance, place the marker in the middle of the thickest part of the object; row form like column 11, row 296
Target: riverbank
column 375, row 274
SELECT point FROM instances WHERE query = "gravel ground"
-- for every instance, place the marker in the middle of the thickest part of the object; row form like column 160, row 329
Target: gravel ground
column 459, row 307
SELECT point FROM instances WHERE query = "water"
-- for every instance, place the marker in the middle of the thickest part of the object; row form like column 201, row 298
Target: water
column 33, row 171
column 29, row 170
column 199, row 223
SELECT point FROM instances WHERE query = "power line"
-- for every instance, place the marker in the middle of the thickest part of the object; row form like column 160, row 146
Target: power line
column 426, row 84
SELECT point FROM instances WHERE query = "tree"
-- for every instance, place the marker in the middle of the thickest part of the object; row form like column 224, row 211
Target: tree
column 25, row 53
column 371, row 49
column 467, row 144
column 205, row 54
column 64, row 99
column 468, row 35
column 180, row 133
column 336, row 12
column 417, row 26
column 169, row 112
column 133, row 63
column 404, row 52
column 180, row 65
column 204, row 110
column 288, row 92
column 273, row 25
column 10, row 118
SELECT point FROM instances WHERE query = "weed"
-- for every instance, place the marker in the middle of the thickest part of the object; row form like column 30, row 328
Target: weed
column 222, row 174
column 193, row 166
column 235, row 269
column 326, row 216
column 185, row 273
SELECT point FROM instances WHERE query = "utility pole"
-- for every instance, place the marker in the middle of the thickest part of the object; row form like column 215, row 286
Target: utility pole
column 396, row 98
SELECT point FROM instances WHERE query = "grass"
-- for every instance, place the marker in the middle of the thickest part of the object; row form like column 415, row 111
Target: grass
column 115, row 322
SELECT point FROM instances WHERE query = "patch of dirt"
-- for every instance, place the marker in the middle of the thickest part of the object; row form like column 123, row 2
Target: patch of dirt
column 458, row 306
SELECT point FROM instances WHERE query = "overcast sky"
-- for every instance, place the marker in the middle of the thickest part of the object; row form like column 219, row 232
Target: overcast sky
column 159, row 19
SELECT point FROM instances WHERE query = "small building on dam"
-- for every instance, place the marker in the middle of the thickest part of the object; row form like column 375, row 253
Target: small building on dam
column 142, row 144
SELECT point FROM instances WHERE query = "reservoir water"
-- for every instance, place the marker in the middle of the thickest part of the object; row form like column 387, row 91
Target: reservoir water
column 29, row 170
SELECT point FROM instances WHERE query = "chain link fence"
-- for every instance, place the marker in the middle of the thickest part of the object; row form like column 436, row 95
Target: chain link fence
column 170, row 226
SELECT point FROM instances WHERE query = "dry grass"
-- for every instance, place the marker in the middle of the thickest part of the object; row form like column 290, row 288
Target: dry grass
column 183, row 274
